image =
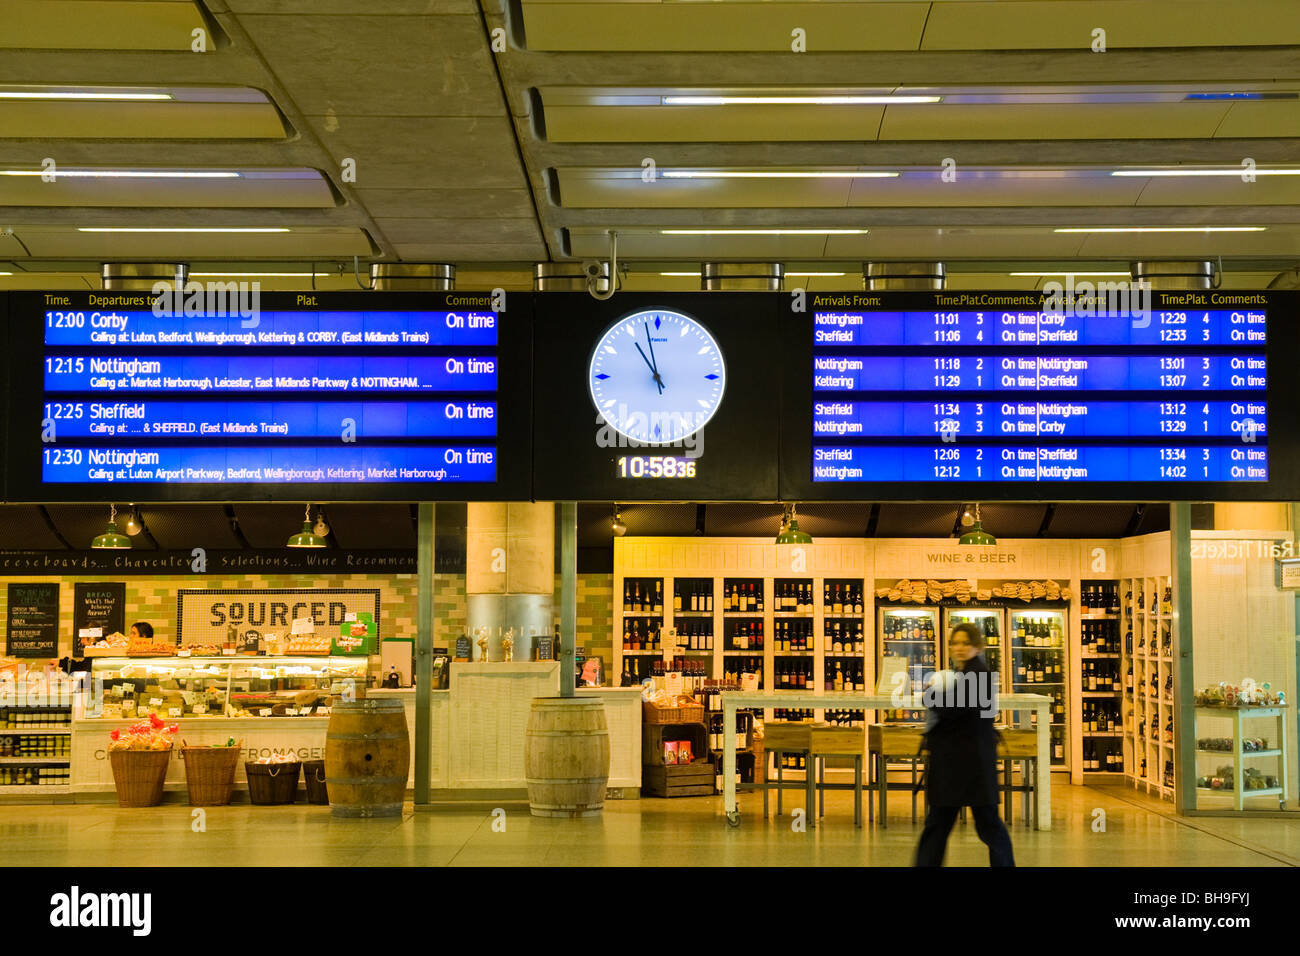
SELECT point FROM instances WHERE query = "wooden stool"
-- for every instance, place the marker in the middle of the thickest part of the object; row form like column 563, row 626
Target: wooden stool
column 781, row 737
column 885, row 741
column 1020, row 746
column 837, row 746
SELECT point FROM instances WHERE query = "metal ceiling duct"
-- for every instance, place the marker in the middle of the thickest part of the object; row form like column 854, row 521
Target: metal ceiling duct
column 1186, row 274
column 412, row 276
column 742, row 276
column 903, row 276
column 142, row 276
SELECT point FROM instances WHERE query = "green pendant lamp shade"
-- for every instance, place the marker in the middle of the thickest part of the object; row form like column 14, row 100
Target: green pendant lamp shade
column 790, row 533
column 977, row 535
column 111, row 539
column 306, row 538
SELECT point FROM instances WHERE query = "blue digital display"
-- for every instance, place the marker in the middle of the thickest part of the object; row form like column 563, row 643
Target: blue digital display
column 274, row 420
column 1166, row 329
column 258, row 373
column 317, row 397
column 1032, row 396
column 271, row 329
column 204, row 464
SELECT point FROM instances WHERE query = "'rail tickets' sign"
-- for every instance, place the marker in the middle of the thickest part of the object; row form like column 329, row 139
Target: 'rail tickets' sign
column 207, row 616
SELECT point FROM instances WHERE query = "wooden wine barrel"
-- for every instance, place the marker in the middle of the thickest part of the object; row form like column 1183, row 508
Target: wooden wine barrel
column 566, row 756
column 367, row 757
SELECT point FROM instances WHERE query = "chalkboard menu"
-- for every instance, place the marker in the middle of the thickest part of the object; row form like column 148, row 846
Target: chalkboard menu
column 34, row 620
column 100, row 606
column 463, row 648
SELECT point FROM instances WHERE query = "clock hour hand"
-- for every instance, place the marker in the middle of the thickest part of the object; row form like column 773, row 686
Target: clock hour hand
column 653, row 361
column 655, row 374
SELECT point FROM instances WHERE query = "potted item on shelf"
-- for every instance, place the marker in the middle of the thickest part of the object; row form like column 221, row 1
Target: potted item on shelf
column 139, row 760
column 313, row 776
column 273, row 780
column 210, row 772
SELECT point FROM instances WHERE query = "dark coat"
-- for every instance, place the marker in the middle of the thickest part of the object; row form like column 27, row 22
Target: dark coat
column 963, row 748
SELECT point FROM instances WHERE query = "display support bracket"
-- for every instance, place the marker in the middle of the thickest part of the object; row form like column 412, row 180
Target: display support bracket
column 424, row 651
column 1180, row 567
column 568, row 594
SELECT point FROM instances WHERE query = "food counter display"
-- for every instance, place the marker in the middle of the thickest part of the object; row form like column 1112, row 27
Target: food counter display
column 227, row 686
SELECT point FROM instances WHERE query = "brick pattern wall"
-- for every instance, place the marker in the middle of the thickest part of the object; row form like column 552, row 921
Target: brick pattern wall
column 153, row 598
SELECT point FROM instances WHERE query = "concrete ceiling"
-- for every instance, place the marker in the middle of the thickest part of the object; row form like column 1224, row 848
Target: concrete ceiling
column 393, row 131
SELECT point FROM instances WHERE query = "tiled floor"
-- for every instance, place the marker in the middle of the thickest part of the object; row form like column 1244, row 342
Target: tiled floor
column 649, row 832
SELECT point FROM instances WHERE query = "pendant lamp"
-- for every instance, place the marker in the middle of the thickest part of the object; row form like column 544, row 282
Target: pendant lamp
column 790, row 533
column 977, row 535
column 111, row 539
column 306, row 538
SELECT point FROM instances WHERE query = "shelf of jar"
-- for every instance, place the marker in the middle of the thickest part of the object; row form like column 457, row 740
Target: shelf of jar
column 12, row 731
column 1244, row 753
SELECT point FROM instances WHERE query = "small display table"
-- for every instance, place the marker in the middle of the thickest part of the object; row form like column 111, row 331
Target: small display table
column 1239, row 756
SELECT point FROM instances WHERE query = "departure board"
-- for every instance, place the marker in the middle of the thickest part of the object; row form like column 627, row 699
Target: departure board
column 1019, row 400
column 339, row 396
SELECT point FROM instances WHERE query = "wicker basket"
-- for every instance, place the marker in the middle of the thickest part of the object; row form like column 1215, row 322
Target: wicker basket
column 272, row 784
column 210, row 774
column 138, row 776
column 690, row 714
column 313, row 777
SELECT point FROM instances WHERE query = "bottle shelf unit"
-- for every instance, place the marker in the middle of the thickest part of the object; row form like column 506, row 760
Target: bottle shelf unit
column 768, row 619
column 1100, row 679
column 1148, row 701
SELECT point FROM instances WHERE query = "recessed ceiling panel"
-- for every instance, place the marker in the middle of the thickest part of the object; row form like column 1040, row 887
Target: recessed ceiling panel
column 174, row 187
column 49, row 242
column 1129, row 24
column 101, row 25
column 729, row 26
column 173, row 113
column 973, row 121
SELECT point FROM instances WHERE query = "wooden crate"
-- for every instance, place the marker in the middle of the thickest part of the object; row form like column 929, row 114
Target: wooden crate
column 680, row 780
column 654, row 735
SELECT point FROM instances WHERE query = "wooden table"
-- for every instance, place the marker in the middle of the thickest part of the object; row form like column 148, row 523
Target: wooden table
column 732, row 700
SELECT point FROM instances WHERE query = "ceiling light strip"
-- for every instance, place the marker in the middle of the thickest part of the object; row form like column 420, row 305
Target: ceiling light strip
column 56, row 173
column 182, row 229
column 773, row 174
column 762, row 232
column 1238, row 171
column 876, row 100
column 77, row 95
column 1118, row 229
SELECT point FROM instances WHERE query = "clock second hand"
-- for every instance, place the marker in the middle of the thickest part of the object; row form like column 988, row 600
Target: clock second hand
column 653, row 371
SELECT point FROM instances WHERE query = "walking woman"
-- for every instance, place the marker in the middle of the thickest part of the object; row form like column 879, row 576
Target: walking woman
column 962, row 767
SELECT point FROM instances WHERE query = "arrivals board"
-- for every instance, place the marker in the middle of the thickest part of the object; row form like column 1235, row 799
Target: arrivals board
column 997, row 395
column 323, row 396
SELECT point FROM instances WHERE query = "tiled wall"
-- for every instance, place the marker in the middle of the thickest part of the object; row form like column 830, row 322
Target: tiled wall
column 153, row 599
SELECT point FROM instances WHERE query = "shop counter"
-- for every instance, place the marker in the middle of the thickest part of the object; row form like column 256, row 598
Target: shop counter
column 733, row 700
column 260, row 736
column 478, row 726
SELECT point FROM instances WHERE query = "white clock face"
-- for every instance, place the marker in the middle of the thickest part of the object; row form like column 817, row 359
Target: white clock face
column 657, row 376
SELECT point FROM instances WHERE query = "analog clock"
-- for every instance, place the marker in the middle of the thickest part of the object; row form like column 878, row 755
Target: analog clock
column 657, row 376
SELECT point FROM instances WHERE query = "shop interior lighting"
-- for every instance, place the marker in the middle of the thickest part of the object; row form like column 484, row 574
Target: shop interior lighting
column 762, row 232
column 617, row 526
column 790, row 533
column 878, row 100
column 182, row 229
column 124, row 173
column 1115, row 229
column 306, row 538
column 977, row 535
column 773, row 174
column 111, row 539
column 263, row 275
column 133, row 525
column 1192, row 171
column 1082, row 273
column 80, row 95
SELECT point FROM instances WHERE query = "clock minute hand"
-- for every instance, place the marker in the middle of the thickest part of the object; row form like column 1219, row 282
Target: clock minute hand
column 653, row 372
column 653, row 361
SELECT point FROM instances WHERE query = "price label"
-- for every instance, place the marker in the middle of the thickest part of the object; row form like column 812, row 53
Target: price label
column 174, row 711
column 264, row 712
column 200, row 710
column 228, row 651
column 183, row 652
column 155, row 702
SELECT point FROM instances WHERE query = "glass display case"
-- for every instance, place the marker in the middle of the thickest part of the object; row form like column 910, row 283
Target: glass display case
column 989, row 621
column 222, row 686
column 908, row 638
column 1039, row 666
